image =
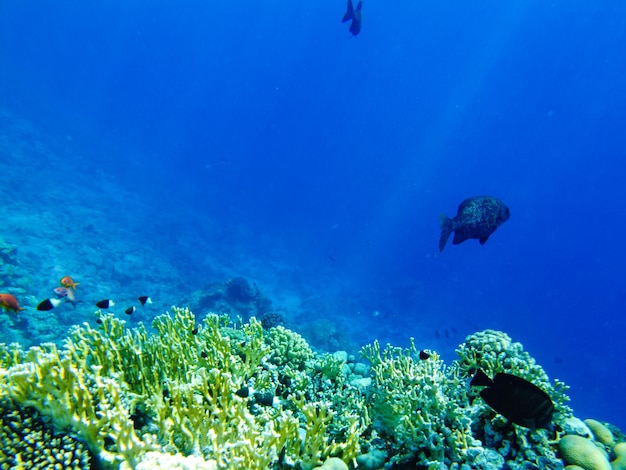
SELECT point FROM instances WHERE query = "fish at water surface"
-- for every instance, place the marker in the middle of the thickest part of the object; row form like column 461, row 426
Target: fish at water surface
column 477, row 217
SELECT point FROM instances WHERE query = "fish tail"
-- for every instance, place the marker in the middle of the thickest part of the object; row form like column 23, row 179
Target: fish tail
column 349, row 13
column 446, row 229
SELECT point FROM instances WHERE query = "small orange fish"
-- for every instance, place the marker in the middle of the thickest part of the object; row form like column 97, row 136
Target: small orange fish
column 9, row 302
column 67, row 281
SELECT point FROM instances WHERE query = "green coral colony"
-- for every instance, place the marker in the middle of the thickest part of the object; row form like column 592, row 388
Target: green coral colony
column 237, row 396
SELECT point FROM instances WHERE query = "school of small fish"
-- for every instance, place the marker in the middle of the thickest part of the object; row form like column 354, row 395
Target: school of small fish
column 67, row 292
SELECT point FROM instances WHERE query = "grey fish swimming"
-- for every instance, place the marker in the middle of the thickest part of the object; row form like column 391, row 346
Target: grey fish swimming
column 354, row 15
column 477, row 217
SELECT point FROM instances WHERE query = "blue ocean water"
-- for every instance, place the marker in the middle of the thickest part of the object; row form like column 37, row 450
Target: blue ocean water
column 158, row 147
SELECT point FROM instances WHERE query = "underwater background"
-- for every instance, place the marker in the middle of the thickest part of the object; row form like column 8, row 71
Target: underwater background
column 165, row 148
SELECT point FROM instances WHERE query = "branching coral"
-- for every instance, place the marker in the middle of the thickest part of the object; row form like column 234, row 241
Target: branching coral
column 318, row 444
column 10, row 355
column 125, row 392
column 77, row 398
column 417, row 407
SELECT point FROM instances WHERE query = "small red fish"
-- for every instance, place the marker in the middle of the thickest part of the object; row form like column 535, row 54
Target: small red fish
column 67, row 281
column 9, row 302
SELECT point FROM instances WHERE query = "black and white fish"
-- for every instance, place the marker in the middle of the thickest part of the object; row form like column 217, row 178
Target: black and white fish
column 48, row 304
column 144, row 299
column 106, row 303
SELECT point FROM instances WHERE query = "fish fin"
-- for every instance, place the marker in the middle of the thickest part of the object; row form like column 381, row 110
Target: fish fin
column 446, row 225
column 483, row 240
column 458, row 238
column 355, row 27
column 481, row 379
column 359, row 6
column 349, row 13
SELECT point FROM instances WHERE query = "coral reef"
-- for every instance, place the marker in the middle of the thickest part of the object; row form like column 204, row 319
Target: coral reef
column 620, row 456
column 601, row 432
column 127, row 392
column 417, row 408
column 427, row 415
column 494, row 352
column 221, row 395
column 590, row 447
column 288, row 347
column 579, row 451
column 27, row 442
column 238, row 289
column 272, row 319
column 333, row 463
column 235, row 297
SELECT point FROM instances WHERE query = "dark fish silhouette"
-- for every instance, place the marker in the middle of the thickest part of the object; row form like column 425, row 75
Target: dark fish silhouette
column 144, row 299
column 518, row 400
column 355, row 16
column 477, row 217
column 106, row 303
column 48, row 304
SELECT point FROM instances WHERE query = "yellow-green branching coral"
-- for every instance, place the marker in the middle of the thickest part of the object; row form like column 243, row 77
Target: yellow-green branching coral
column 78, row 400
column 116, row 350
column 417, row 406
column 331, row 367
column 10, row 354
column 323, row 436
column 204, row 416
column 248, row 344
